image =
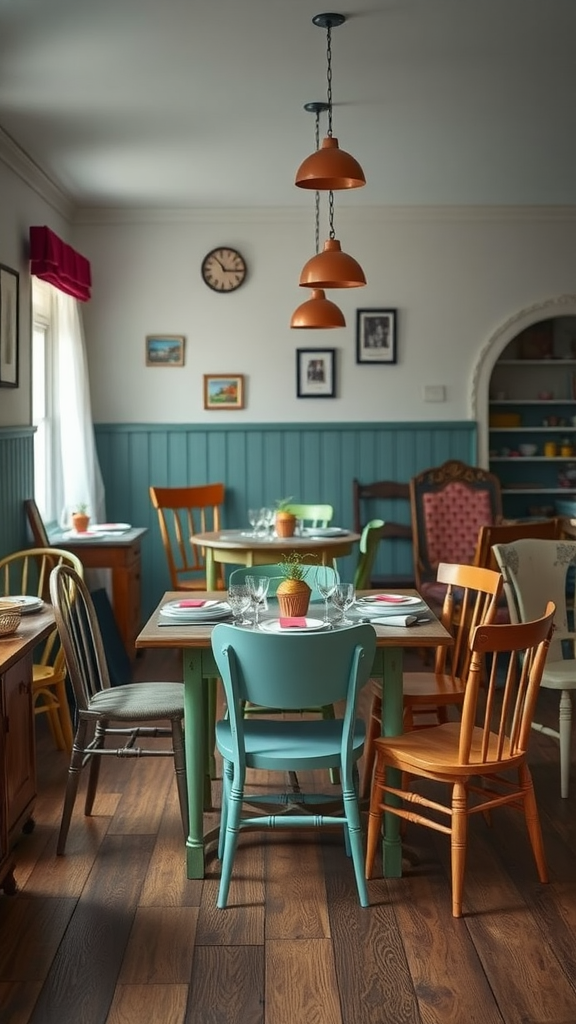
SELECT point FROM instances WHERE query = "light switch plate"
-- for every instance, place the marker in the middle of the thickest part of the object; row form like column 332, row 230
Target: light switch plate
column 434, row 393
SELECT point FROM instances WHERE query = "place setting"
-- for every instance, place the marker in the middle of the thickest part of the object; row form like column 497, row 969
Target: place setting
column 391, row 609
column 194, row 612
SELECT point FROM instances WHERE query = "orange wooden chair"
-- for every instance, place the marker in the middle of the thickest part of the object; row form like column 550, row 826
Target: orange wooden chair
column 183, row 511
column 472, row 596
column 458, row 753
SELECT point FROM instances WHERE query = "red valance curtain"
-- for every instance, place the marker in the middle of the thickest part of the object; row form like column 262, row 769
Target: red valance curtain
column 54, row 261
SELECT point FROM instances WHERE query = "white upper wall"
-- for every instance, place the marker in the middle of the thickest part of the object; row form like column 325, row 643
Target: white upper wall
column 455, row 275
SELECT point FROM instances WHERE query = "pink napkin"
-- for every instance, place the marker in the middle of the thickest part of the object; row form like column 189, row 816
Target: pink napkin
column 191, row 603
column 294, row 622
column 389, row 598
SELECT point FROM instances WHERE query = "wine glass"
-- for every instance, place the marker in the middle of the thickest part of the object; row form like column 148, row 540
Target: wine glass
column 239, row 600
column 268, row 520
column 253, row 517
column 326, row 580
column 343, row 598
column 258, row 589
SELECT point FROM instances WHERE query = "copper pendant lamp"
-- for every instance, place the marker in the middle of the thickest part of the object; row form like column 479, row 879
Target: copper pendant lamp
column 329, row 168
column 317, row 312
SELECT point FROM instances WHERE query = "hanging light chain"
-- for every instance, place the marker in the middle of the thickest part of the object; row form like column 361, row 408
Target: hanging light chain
column 317, row 197
column 329, row 75
column 331, row 214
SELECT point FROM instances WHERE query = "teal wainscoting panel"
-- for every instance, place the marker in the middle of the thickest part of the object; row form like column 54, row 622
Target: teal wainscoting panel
column 259, row 463
column 16, row 484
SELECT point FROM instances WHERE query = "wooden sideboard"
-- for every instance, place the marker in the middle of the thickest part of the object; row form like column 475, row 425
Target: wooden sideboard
column 17, row 739
column 122, row 554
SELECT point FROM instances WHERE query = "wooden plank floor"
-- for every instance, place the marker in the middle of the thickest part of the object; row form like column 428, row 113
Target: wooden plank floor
column 114, row 933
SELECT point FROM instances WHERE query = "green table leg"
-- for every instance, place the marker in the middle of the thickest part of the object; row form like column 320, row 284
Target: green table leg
column 195, row 744
column 392, row 710
column 210, row 570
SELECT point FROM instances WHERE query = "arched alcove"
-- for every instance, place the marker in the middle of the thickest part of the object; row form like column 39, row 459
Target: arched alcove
column 563, row 306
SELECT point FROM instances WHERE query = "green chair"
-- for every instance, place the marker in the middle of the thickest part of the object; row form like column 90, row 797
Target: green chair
column 312, row 515
column 369, row 541
column 286, row 672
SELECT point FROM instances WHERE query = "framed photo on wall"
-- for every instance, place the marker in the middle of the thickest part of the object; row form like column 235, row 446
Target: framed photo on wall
column 376, row 339
column 223, row 391
column 316, row 372
column 9, row 323
column 164, row 350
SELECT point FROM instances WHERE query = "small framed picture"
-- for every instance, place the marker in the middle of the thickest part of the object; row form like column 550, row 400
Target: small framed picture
column 9, row 341
column 164, row 350
column 376, row 336
column 223, row 391
column 316, row 372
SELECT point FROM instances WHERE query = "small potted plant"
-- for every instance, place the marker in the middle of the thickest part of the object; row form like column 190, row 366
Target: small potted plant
column 293, row 592
column 80, row 518
column 285, row 521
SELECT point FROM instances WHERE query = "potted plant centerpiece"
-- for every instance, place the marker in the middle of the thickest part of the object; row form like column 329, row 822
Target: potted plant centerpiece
column 80, row 519
column 285, row 521
column 293, row 592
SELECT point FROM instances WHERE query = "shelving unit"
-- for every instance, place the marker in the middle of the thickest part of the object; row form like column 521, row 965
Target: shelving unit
column 533, row 401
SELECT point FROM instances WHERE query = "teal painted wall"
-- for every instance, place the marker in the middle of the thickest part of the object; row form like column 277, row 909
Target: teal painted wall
column 261, row 462
column 16, row 484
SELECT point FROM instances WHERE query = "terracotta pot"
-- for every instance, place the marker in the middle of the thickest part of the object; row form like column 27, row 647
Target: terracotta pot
column 293, row 598
column 80, row 522
column 285, row 524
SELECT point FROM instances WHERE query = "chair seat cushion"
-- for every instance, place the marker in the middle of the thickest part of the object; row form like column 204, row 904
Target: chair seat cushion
column 142, row 701
column 306, row 744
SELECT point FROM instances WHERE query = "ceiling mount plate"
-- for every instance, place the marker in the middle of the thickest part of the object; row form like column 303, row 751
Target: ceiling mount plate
column 316, row 107
column 329, row 20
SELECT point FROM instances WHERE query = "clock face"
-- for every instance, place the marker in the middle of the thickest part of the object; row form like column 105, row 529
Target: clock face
column 223, row 269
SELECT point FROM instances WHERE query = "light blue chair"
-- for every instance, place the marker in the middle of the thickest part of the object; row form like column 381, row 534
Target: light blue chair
column 288, row 672
column 274, row 572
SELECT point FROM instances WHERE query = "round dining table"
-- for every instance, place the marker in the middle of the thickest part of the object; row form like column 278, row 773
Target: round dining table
column 241, row 547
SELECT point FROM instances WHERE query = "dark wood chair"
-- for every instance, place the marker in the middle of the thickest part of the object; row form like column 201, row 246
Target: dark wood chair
column 387, row 500
column 36, row 524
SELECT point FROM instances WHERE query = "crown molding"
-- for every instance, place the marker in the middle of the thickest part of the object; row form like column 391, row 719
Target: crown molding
column 32, row 175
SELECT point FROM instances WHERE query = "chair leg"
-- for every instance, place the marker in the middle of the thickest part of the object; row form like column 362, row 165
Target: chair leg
column 459, row 842
column 227, row 778
column 564, row 730
column 373, row 730
column 72, row 785
column 374, row 817
column 354, row 831
column 533, row 821
column 94, row 770
column 180, row 770
column 230, row 841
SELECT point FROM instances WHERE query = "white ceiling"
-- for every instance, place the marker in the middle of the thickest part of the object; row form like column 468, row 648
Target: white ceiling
column 199, row 103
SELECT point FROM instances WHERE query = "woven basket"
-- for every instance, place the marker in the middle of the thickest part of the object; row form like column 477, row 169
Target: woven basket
column 10, row 615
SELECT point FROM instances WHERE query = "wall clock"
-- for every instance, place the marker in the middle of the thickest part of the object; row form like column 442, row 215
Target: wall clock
column 223, row 269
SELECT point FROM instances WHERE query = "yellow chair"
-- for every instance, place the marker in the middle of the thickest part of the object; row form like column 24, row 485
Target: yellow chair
column 311, row 515
column 489, row 745
column 183, row 511
column 27, row 573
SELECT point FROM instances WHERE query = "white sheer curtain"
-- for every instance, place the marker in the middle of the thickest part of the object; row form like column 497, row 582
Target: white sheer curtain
column 76, row 475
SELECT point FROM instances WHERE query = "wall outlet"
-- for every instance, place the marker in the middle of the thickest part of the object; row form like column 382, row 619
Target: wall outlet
column 434, row 393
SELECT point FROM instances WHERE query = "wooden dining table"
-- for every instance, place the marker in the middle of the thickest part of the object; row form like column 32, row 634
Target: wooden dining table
column 243, row 547
column 199, row 667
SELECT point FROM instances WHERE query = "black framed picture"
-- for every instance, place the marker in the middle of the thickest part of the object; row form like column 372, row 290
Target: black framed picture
column 316, row 372
column 376, row 335
column 8, row 327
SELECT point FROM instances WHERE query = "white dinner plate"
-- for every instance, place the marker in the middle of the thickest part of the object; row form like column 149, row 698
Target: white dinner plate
column 29, row 604
column 390, row 600
column 110, row 527
column 209, row 610
column 312, row 626
column 324, row 531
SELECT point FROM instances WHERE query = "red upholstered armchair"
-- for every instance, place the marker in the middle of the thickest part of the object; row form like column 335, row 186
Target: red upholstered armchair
column 449, row 504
